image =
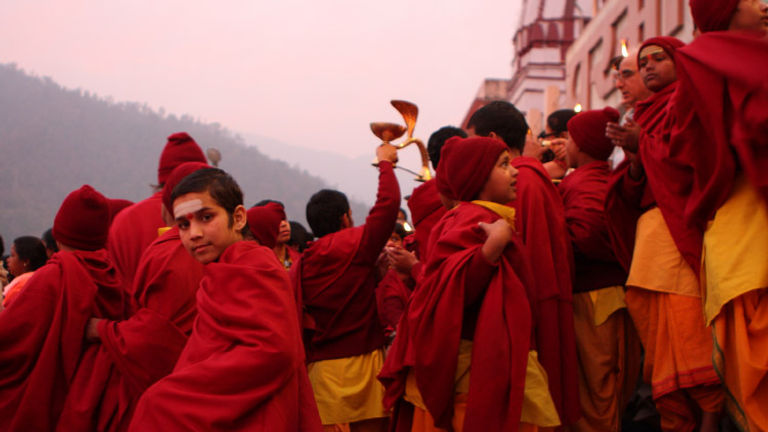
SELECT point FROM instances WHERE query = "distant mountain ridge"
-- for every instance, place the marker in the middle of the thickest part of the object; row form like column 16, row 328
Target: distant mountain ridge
column 53, row 140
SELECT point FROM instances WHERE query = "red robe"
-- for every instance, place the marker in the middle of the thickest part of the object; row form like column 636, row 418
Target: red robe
column 42, row 335
column 628, row 199
column 460, row 290
column 541, row 224
column 132, row 230
column 392, row 295
column 719, row 116
column 337, row 278
column 137, row 352
column 426, row 211
column 583, row 193
column 243, row 367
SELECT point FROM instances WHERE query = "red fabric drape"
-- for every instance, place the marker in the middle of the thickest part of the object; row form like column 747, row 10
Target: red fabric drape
column 137, row 352
column 428, row 334
column 243, row 367
column 41, row 335
column 541, row 224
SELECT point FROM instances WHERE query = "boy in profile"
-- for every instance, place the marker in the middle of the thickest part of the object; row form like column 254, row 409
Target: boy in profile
column 463, row 356
column 243, row 366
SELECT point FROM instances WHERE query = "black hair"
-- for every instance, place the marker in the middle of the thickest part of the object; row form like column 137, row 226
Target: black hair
column 220, row 185
column 49, row 242
column 267, row 201
column 438, row 138
column 2, row 246
column 30, row 248
column 402, row 210
column 299, row 236
column 558, row 120
column 502, row 118
column 324, row 211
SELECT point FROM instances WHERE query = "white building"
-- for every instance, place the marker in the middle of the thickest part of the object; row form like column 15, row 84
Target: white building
column 546, row 30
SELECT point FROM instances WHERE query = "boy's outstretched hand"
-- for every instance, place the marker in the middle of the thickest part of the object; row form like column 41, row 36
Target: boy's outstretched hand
column 499, row 235
column 386, row 152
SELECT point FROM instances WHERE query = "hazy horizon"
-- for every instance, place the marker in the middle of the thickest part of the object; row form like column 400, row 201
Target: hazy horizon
column 309, row 74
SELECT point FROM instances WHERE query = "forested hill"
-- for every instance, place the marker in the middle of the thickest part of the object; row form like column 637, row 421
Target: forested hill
column 53, row 140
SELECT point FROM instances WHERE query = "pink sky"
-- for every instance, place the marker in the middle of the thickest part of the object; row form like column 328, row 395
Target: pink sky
column 310, row 73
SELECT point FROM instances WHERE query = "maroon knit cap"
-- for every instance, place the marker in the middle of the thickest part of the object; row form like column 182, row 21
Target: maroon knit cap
column 465, row 165
column 713, row 15
column 82, row 221
column 176, row 176
column 587, row 129
column 668, row 43
column 264, row 223
column 179, row 149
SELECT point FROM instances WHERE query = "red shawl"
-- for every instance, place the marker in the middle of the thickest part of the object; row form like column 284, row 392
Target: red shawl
column 132, row 230
column 541, row 224
column 41, row 335
column 583, row 192
column 426, row 210
column 243, row 367
column 721, row 111
column 137, row 352
column 429, row 333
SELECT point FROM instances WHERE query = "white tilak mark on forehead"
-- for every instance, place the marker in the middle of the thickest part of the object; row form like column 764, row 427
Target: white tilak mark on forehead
column 187, row 207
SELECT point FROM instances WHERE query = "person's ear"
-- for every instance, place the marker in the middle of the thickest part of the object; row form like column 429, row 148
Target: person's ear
column 346, row 221
column 239, row 217
column 495, row 136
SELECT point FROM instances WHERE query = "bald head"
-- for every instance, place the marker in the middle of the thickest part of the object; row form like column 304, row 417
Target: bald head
column 629, row 82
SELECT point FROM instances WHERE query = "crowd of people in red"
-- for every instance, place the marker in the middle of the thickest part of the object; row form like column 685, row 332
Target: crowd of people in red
column 623, row 253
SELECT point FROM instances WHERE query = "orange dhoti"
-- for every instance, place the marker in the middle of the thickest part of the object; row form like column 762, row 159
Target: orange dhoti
column 609, row 358
column 735, row 277
column 663, row 297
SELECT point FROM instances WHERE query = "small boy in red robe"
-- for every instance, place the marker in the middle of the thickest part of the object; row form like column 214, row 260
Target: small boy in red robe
column 541, row 224
column 462, row 359
column 41, row 332
column 243, row 366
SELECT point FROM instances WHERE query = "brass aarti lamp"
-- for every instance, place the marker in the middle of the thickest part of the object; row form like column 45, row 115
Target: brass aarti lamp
column 388, row 132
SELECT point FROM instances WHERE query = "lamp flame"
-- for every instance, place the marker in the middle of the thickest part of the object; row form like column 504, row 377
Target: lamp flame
column 624, row 49
column 578, row 108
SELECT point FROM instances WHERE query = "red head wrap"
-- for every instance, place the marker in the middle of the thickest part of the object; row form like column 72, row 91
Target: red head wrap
column 465, row 164
column 179, row 149
column 175, row 177
column 713, row 15
column 588, row 131
column 82, row 221
column 668, row 43
column 264, row 223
